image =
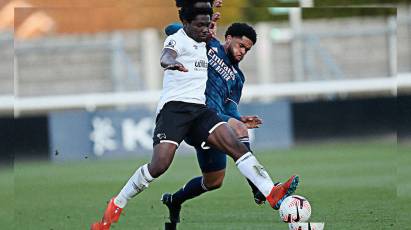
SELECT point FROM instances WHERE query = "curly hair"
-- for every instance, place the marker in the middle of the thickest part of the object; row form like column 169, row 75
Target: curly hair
column 240, row 30
column 189, row 13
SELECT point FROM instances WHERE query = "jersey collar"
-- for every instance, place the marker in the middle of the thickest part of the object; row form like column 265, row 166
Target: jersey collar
column 197, row 43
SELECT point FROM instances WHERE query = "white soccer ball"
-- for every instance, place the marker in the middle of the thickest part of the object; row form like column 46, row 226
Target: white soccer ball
column 295, row 209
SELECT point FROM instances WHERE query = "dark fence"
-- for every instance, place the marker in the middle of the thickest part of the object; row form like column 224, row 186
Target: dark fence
column 23, row 138
column 351, row 118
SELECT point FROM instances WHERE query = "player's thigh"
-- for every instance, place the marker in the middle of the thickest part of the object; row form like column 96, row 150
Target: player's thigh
column 172, row 123
column 205, row 123
column 224, row 138
column 211, row 160
column 210, row 129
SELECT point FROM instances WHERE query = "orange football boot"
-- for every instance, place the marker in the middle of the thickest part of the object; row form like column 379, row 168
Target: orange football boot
column 280, row 191
column 111, row 215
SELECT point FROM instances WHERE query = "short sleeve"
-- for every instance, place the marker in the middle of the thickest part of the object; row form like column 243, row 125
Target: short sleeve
column 172, row 42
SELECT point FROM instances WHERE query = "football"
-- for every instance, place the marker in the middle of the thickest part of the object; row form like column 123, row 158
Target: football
column 295, row 209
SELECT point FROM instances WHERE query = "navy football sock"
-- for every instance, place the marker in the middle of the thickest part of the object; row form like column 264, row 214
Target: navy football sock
column 192, row 189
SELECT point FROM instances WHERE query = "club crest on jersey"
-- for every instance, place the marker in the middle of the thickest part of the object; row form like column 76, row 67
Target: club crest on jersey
column 161, row 136
column 171, row 43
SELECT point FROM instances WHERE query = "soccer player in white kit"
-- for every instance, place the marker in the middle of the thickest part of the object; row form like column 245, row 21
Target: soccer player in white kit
column 182, row 110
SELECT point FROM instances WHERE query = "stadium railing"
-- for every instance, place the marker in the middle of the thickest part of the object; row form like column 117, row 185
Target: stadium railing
column 385, row 85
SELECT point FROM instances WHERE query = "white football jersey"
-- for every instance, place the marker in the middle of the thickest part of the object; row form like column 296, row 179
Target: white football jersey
column 185, row 86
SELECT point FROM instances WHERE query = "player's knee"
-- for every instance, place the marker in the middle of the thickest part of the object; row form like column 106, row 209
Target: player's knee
column 225, row 139
column 216, row 184
column 158, row 169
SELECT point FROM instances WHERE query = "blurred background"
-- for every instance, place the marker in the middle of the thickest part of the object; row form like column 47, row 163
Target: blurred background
column 80, row 80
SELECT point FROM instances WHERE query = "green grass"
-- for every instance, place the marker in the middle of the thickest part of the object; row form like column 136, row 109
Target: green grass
column 404, row 185
column 6, row 198
column 350, row 185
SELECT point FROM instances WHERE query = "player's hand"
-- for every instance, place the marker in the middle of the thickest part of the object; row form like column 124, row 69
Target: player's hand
column 213, row 25
column 252, row 122
column 216, row 16
column 177, row 66
column 218, row 3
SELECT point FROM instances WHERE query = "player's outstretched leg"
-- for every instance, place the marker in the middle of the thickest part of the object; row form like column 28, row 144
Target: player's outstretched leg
column 224, row 139
column 281, row 191
column 259, row 198
column 255, row 172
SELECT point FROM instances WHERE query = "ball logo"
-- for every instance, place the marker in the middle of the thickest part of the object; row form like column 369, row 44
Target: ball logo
column 298, row 218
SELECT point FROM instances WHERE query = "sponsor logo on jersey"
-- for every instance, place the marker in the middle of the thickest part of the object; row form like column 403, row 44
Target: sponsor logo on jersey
column 200, row 65
column 220, row 66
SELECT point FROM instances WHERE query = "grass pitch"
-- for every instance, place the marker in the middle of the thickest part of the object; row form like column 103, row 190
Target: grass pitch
column 350, row 185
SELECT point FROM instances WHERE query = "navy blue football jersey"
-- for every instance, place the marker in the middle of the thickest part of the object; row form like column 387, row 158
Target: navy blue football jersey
column 225, row 82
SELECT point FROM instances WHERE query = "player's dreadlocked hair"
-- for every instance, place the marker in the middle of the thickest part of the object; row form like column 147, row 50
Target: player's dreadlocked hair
column 189, row 13
column 240, row 30
column 188, row 3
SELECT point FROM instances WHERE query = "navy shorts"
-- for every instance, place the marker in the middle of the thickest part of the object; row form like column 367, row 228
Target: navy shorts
column 211, row 160
column 179, row 120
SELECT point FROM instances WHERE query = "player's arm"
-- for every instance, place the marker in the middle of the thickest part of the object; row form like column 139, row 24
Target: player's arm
column 214, row 18
column 251, row 122
column 168, row 61
column 213, row 25
column 234, row 122
column 241, row 126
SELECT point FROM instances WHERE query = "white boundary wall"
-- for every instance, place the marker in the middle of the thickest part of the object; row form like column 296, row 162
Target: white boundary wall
column 387, row 85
